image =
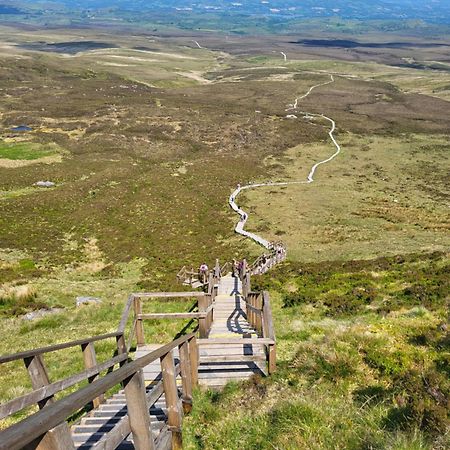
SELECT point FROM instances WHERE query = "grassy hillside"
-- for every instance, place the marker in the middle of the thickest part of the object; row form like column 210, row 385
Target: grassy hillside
column 363, row 362
column 145, row 135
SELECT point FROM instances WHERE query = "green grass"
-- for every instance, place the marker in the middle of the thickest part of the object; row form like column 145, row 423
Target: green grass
column 25, row 150
column 373, row 199
column 373, row 379
column 154, row 155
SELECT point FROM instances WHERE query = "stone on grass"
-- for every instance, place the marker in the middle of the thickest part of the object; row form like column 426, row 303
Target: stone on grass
column 41, row 313
column 88, row 301
column 45, row 184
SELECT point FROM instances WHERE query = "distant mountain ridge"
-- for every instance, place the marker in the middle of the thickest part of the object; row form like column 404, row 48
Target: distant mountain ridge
column 429, row 10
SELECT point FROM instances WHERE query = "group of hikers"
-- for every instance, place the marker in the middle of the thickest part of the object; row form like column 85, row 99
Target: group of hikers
column 238, row 268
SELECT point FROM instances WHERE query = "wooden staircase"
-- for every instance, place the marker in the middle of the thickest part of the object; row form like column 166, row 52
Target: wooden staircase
column 223, row 355
column 154, row 385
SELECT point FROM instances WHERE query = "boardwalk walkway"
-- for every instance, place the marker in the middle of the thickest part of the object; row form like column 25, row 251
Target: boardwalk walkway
column 219, row 364
column 222, row 362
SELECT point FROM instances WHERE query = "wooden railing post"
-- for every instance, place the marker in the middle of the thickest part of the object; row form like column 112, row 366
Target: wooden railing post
column 210, row 312
column 272, row 358
column 251, row 298
column 203, row 323
column 138, row 412
column 194, row 359
column 269, row 332
column 121, row 344
column 172, row 403
column 90, row 360
column 58, row 438
column 140, row 339
column 186, row 377
column 259, row 305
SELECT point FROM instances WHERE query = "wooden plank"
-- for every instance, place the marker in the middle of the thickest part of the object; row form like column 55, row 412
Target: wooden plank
column 131, row 336
column 164, row 439
column 168, row 294
column 53, row 348
column 268, row 316
column 139, row 326
column 20, row 434
column 255, row 310
column 259, row 319
column 194, row 359
column 269, row 331
column 154, row 395
column 171, row 397
column 138, row 414
column 238, row 341
column 196, row 315
column 121, row 345
column 57, row 438
column 202, row 323
column 272, row 358
column 186, row 379
column 232, row 358
column 125, row 314
column 114, row 437
column 44, row 392
column 90, row 361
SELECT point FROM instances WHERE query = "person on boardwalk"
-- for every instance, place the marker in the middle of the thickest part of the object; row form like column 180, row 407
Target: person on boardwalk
column 203, row 273
column 234, row 269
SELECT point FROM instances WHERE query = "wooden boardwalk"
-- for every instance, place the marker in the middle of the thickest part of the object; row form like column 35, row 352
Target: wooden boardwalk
column 153, row 386
column 235, row 360
column 219, row 364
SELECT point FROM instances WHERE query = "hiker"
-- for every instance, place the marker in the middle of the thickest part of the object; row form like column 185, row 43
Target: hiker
column 234, row 269
column 217, row 271
column 203, row 273
column 240, row 269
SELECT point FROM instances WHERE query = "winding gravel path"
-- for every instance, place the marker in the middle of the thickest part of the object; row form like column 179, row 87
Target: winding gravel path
column 240, row 226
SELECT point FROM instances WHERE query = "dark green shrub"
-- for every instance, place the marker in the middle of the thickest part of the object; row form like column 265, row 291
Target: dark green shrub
column 422, row 401
column 295, row 298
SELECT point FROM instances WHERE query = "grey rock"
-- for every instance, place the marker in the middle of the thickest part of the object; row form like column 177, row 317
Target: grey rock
column 87, row 301
column 41, row 313
column 45, row 184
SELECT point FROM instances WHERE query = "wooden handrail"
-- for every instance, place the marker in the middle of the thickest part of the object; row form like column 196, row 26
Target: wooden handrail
column 23, row 433
column 45, row 392
column 269, row 332
column 225, row 267
column 53, row 348
column 182, row 273
column 268, row 319
column 225, row 341
column 194, row 315
column 125, row 314
column 167, row 294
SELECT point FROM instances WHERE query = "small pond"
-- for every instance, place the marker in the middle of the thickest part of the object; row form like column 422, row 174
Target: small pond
column 22, row 128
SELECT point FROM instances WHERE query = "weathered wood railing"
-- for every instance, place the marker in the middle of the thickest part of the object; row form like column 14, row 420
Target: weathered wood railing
column 48, row 428
column 186, row 274
column 38, row 430
column 43, row 389
column 204, row 304
column 267, row 260
column 259, row 316
column 225, row 268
